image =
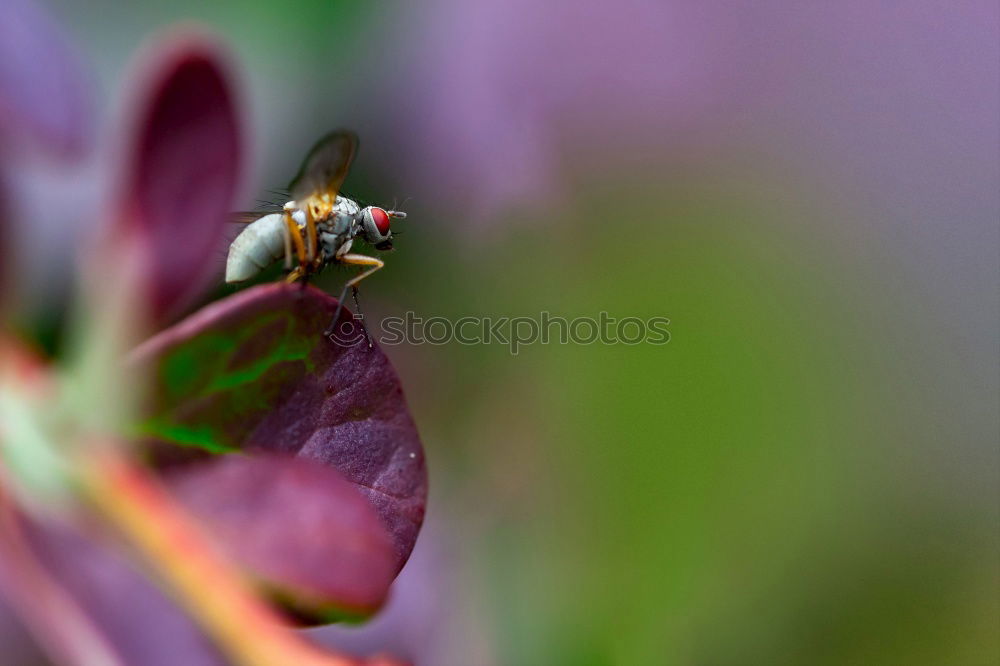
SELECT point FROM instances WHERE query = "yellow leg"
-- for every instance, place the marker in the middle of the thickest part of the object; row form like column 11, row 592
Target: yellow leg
column 353, row 260
column 360, row 260
column 297, row 242
column 311, row 236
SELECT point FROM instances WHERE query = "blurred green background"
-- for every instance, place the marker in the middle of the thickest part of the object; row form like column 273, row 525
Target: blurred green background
column 808, row 472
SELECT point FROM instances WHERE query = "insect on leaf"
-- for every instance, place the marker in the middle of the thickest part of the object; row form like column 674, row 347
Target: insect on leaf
column 253, row 373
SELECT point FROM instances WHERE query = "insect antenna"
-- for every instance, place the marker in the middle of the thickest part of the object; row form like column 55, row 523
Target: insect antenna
column 398, row 214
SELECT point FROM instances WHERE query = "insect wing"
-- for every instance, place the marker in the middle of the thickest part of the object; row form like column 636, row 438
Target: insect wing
column 325, row 167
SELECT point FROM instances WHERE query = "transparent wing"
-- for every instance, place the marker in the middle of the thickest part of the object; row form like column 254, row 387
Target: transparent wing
column 264, row 207
column 326, row 166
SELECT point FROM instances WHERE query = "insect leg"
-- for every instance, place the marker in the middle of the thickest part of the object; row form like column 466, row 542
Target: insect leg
column 361, row 317
column 297, row 242
column 311, row 236
column 295, row 275
column 360, row 260
column 354, row 260
column 288, row 249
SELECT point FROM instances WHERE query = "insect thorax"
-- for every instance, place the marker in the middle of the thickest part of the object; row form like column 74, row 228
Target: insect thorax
column 340, row 228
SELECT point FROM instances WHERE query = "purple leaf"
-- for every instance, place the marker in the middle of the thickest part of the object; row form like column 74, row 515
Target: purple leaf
column 82, row 599
column 5, row 260
column 183, row 167
column 254, row 373
column 43, row 89
column 296, row 526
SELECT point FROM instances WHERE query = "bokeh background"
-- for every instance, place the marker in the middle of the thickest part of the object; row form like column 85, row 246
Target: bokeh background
column 808, row 473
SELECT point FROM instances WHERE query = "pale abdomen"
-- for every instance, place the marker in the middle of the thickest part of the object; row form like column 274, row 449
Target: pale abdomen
column 258, row 246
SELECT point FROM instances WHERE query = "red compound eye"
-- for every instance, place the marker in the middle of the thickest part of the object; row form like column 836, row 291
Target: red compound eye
column 381, row 219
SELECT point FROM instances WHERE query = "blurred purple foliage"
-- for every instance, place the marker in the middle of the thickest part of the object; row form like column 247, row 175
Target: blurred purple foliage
column 44, row 88
column 895, row 100
column 58, row 574
column 183, row 168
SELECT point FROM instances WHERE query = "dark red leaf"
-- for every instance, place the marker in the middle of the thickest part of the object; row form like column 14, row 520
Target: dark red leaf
column 296, row 526
column 43, row 88
column 254, row 373
column 183, row 168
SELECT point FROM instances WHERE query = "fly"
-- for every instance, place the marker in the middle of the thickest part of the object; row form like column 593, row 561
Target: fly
column 318, row 226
